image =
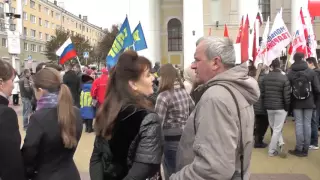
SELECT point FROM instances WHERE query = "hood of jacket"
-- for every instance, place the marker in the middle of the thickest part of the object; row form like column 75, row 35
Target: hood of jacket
column 299, row 66
column 86, row 87
column 189, row 75
column 238, row 78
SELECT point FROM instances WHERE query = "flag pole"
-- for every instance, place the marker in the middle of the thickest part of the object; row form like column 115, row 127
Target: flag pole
column 78, row 61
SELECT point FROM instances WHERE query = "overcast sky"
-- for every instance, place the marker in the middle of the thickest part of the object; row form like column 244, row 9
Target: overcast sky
column 102, row 13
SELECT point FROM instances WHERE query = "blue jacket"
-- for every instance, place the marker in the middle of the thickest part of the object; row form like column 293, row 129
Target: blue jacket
column 86, row 108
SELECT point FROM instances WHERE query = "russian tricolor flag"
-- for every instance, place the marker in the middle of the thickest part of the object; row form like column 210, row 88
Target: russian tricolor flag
column 66, row 51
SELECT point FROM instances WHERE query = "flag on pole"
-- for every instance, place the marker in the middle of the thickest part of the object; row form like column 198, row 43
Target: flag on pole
column 263, row 48
column 66, row 52
column 278, row 39
column 244, row 41
column 123, row 40
column 299, row 42
column 139, row 39
column 240, row 31
column 226, row 32
column 314, row 6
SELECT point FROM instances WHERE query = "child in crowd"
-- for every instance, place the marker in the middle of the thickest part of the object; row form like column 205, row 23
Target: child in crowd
column 86, row 108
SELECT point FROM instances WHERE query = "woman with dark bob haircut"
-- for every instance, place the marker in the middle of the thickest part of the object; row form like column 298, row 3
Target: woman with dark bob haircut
column 11, row 163
column 128, row 141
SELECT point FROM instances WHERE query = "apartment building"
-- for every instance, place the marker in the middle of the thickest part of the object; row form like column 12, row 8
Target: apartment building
column 40, row 19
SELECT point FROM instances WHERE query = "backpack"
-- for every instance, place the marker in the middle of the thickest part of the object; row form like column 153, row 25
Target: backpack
column 301, row 86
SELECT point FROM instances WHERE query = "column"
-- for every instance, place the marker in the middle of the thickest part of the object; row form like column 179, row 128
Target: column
column 19, row 25
column 148, row 13
column 192, row 28
column 295, row 12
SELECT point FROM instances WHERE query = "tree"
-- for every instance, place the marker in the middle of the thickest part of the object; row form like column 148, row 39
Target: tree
column 101, row 51
column 80, row 43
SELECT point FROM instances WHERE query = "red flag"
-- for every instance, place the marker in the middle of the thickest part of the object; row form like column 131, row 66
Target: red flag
column 245, row 41
column 240, row 31
column 314, row 6
column 259, row 17
column 226, row 33
column 254, row 47
column 306, row 34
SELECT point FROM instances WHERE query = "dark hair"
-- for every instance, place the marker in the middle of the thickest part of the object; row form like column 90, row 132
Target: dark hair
column 275, row 63
column 169, row 75
column 49, row 79
column 40, row 66
column 313, row 61
column 26, row 71
column 298, row 56
column 6, row 70
column 129, row 67
column 54, row 66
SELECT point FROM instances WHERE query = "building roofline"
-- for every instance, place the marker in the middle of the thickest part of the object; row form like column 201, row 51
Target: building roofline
column 64, row 11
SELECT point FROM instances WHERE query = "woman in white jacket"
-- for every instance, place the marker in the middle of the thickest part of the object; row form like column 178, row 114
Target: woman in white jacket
column 15, row 91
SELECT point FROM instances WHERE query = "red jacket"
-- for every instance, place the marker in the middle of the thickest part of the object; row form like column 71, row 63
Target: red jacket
column 99, row 88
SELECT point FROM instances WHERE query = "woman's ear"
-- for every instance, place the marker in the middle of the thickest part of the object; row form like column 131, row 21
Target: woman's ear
column 133, row 85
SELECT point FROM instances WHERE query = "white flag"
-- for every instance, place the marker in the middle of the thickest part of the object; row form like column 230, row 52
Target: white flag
column 279, row 38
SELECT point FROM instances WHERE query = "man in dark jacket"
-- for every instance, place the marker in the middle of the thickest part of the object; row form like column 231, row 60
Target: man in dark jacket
column 313, row 64
column 26, row 93
column 275, row 94
column 71, row 79
column 303, row 102
column 261, row 117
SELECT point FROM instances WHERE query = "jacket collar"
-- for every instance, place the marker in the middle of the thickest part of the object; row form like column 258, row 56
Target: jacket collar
column 3, row 100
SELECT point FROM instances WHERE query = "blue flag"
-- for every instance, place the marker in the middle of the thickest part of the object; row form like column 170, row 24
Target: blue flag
column 139, row 39
column 123, row 40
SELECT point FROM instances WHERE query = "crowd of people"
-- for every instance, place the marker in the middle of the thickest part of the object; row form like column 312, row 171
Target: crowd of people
column 200, row 124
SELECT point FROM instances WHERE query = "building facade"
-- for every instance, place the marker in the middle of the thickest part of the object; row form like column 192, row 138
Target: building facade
column 178, row 24
column 38, row 23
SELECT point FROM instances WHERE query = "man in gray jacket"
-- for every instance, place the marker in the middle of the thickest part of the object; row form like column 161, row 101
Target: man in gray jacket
column 210, row 144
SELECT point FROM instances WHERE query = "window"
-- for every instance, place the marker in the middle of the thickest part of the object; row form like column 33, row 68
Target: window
column 40, row 22
column 174, row 35
column 13, row 10
column 25, row 16
column 52, row 25
column 76, row 25
column 39, row 7
column 40, row 48
column 264, row 6
column 33, row 48
column 4, row 42
column 40, row 35
column 52, row 13
column 25, row 31
column 33, row 19
column 33, row 33
column 63, row 19
column 58, row 16
column 32, row 4
column 2, row 10
column 46, row 24
column 25, row 2
column 25, row 45
column 46, row 10
column 87, row 29
column 47, row 37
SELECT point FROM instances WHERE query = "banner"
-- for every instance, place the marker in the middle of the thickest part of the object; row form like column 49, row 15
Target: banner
column 139, row 39
column 123, row 40
column 278, row 39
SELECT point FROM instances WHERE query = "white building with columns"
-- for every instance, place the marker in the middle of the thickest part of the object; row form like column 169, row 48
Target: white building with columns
column 172, row 27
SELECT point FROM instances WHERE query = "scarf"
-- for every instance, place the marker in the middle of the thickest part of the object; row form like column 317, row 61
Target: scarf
column 49, row 100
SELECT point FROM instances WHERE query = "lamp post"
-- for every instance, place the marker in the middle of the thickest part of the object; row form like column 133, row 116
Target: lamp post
column 12, row 35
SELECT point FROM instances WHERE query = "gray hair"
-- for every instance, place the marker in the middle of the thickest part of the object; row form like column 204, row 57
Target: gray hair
column 222, row 47
column 199, row 41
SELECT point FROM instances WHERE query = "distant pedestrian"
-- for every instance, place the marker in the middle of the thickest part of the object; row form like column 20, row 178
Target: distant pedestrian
column 26, row 93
